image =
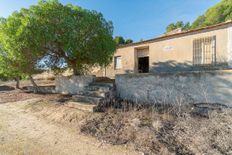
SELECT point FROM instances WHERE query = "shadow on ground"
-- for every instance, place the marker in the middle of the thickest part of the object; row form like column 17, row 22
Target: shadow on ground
column 6, row 88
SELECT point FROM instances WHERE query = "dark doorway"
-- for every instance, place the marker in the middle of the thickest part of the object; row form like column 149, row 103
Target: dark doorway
column 143, row 64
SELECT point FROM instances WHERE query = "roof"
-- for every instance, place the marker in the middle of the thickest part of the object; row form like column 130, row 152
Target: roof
column 177, row 34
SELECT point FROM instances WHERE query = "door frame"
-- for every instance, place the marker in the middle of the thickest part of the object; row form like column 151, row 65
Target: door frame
column 147, row 64
column 139, row 53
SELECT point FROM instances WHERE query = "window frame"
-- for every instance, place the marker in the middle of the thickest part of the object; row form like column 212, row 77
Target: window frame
column 202, row 52
column 115, row 63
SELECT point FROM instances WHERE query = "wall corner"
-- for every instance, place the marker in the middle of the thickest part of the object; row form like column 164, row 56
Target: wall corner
column 229, row 46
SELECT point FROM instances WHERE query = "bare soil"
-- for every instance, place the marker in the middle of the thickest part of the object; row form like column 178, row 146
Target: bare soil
column 38, row 124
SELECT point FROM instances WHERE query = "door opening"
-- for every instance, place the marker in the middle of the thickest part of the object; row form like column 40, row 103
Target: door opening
column 143, row 65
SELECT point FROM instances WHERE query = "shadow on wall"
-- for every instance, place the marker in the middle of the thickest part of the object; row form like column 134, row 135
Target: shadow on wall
column 170, row 66
column 173, row 66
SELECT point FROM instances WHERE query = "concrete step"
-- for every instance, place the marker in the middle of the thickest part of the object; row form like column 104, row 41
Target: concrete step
column 102, row 84
column 92, row 93
column 97, row 88
column 87, row 99
column 81, row 106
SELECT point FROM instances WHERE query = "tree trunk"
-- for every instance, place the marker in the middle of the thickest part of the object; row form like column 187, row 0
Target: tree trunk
column 34, row 84
column 76, row 72
column 76, row 69
column 17, row 82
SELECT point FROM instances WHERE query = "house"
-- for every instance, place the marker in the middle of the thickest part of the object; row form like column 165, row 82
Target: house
column 205, row 48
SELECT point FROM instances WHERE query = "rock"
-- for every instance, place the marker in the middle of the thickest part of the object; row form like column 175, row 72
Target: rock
column 201, row 111
column 204, row 109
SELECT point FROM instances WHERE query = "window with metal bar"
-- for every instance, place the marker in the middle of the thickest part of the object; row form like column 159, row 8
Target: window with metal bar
column 204, row 51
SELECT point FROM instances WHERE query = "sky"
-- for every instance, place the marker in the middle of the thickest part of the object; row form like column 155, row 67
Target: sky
column 134, row 19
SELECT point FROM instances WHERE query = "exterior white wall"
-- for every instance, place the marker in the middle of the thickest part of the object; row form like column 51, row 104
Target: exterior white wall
column 174, row 52
column 179, row 88
column 73, row 84
column 229, row 45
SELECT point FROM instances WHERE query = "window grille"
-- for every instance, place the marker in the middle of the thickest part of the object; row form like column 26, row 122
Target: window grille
column 204, row 51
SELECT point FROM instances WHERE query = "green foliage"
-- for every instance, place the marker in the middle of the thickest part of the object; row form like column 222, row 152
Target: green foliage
column 187, row 26
column 178, row 24
column 7, row 69
column 170, row 27
column 53, row 35
column 119, row 40
column 199, row 22
column 80, row 37
column 19, row 49
column 221, row 12
column 128, row 41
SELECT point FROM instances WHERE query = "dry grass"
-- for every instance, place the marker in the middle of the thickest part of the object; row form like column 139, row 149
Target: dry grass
column 164, row 132
column 57, row 113
column 211, row 135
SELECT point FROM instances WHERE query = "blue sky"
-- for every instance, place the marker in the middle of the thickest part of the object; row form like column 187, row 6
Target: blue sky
column 135, row 19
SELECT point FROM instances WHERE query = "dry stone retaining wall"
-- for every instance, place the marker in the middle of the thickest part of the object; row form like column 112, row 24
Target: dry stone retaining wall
column 73, row 84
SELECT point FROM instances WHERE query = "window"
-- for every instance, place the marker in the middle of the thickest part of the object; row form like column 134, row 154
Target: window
column 204, row 51
column 117, row 62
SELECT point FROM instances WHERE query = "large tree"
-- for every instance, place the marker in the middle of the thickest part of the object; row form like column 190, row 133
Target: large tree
column 11, row 61
column 119, row 40
column 73, row 37
column 52, row 35
column 129, row 41
column 7, row 70
column 20, row 53
column 221, row 12
column 178, row 24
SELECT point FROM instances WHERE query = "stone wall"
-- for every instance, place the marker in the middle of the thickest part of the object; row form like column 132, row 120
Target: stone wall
column 178, row 88
column 41, row 89
column 73, row 84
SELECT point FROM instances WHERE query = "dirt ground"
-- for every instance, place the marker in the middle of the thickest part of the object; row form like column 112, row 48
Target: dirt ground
column 41, row 124
column 37, row 124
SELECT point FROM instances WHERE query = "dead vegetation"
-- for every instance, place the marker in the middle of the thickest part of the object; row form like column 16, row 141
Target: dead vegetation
column 159, row 131
column 18, row 95
column 57, row 113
